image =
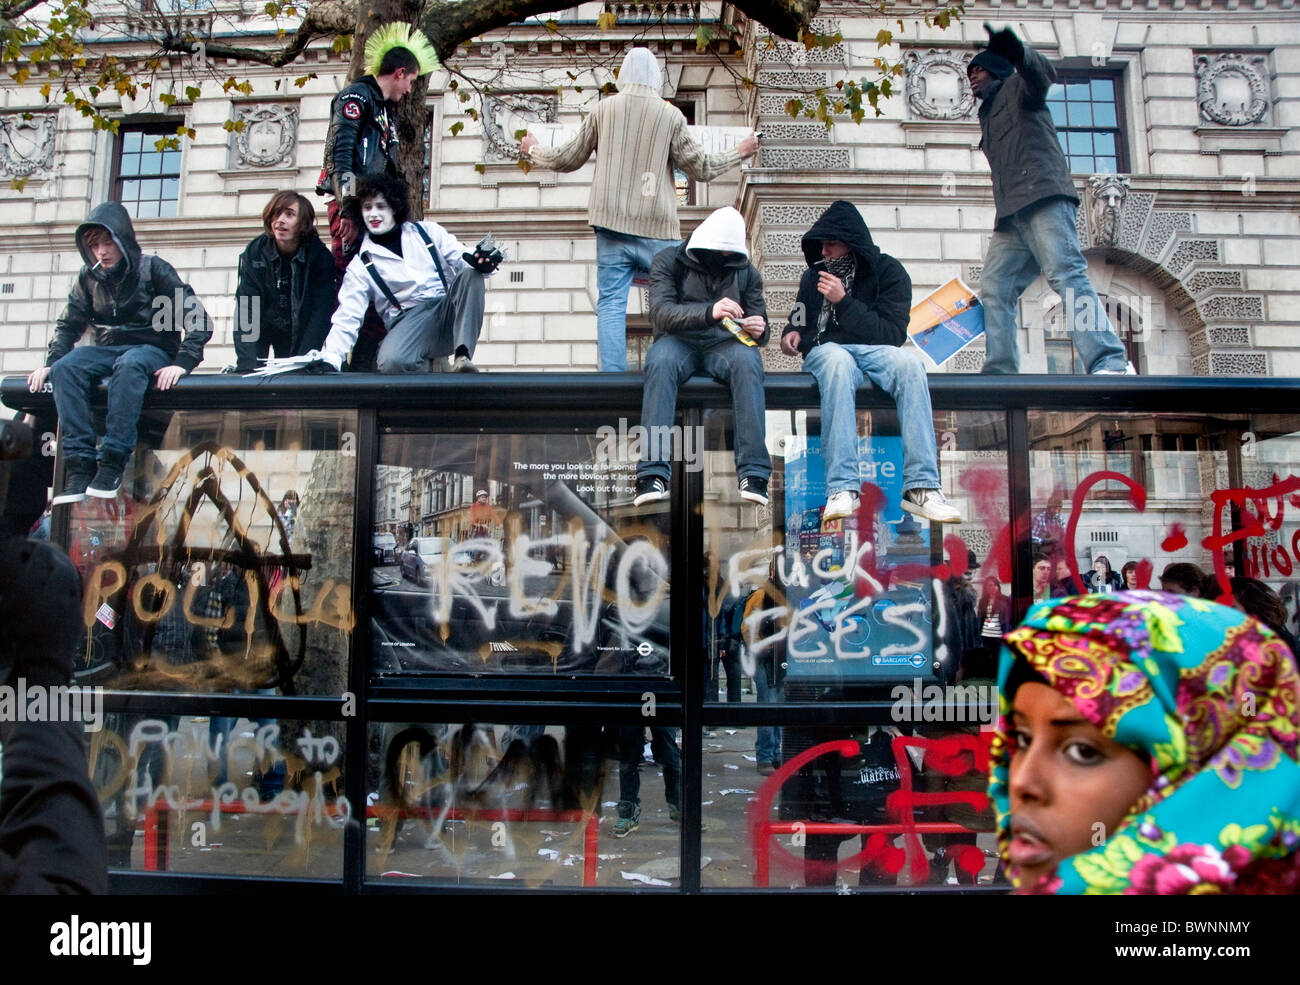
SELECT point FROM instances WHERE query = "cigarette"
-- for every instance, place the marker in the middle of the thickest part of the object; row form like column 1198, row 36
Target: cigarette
column 97, row 265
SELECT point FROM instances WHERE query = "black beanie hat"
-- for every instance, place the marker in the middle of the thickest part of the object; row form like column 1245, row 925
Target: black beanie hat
column 996, row 65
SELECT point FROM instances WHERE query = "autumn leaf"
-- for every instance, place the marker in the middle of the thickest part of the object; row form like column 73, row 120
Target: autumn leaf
column 192, row 93
column 884, row 37
column 703, row 35
column 525, row 166
column 606, row 20
column 456, row 128
column 552, row 26
column 520, row 134
column 167, row 99
column 481, row 168
column 17, row 184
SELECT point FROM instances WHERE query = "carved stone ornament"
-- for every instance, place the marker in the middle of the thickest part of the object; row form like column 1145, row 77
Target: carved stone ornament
column 1106, row 195
column 269, row 138
column 26, row 146
column 1232, row 89
column 506, row 113
column 936, row 84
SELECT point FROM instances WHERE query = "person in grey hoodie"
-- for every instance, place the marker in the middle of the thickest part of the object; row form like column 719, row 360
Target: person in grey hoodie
column 1036, row 201
column 707, row 313
column 139, row 309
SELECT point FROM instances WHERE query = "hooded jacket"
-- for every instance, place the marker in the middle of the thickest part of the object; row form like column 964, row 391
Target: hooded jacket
column 877, row 307
column 685, row 283
column 313, row 291
column 141, row 301
column 1019, row 139
column 638, row 138
column 362, row 136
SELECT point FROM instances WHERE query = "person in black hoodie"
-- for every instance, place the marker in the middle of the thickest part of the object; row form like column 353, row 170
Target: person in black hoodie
column 288, row 285
column 707, row 313
column 1036, row 202
column 138, row 306
column 848, row 322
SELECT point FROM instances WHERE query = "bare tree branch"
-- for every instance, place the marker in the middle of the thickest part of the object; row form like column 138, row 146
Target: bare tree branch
column 321, row 20
column 13, row 9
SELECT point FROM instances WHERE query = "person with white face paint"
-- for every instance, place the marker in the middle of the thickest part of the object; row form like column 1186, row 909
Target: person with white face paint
column 639, row 138
column 425, row 285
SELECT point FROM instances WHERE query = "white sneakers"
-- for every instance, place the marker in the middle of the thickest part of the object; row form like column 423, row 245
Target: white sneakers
column 926, row 503
column 930, row 504
column 840, row 505
column 1128, row 370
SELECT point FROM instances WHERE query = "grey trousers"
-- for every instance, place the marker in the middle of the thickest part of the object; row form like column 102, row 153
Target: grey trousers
column 435, row 328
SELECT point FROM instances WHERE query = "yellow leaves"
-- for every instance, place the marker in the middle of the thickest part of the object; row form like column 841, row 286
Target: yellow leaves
column 552, row 26
column 17, row 184
column 525, row 166
column 45, row 92
column 233, row 126
column 341, row 44
column 167, row 99
column 302, row 80
column 606, row 20
column 184, row 131
column 703, row 35
column 884, row 38
column 456, row 128
column 481, row 168
column 22, row 75
column 192, row 93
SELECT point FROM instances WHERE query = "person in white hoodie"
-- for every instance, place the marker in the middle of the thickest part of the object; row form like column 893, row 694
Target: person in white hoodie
column 426, row 286
column 639, row 138
column 708, row 315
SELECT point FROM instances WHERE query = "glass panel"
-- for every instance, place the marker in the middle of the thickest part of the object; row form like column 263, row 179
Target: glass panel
column 150, row 163
column 224, row 568
column 1103, row 115
column 759, row 826
column 1080, row 143
column 171, row 162
column 1103, row 90
column 553, row 572
column 1060, row 136
column 150, row 189
column 147, row 210
column 131, row 142
column 1104, row 143
column 167, row 209
column 526, row 805
column 1061, row 358
column 1056, row 93
column 171, row 188
column 848, row 601
column 1058, row 113
column 130, row 191
column 1076, row 92
column 1107, row 165
column 221, row 795
column 1080, row 114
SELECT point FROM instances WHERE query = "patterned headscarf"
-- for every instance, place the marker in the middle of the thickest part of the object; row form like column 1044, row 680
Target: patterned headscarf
column 1209, row 696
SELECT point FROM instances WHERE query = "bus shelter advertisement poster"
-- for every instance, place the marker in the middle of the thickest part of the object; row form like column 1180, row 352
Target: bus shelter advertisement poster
column 844, row 629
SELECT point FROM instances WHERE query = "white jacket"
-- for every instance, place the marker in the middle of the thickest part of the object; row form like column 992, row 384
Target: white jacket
column 411, row 277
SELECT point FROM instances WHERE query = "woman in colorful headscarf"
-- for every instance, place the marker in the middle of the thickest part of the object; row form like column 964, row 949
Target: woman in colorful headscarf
column 1147, row 745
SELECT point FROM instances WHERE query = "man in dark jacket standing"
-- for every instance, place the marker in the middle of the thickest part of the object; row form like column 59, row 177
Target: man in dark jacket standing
column 362, row 134
column 706, row 310
column 288, row 285
column 848, row 322
column 138, row 306
column 1036, row 203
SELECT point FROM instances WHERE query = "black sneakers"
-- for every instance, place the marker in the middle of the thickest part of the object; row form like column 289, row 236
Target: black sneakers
column 650, row 489
column 754, row 489
column 108, row 480
column 77, row 474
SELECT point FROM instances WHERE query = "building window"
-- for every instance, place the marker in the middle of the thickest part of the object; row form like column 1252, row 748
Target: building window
column 260, row 439
column 1061, row 355
column 146, row 181
column 1088, row 111
column 639, row 341
column 322, row 437
column 683, row 183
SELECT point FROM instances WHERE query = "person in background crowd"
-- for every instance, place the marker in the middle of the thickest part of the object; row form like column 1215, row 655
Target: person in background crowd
column 51, row 825
column 769, row 663
column 1184, row 578
column 994, row 612
column 639, row 138
column 849, row 323
column 1103, row 579
column 1047, row 531
column 631, row 747
column 427, row 288
column 1036, row 203
column 287, row 288
column 1042, row 572
column 1129, row 574
column 136, row 339
column 1255, row 598
column 1062, row 580
column 1120, row 725
column 707, row 313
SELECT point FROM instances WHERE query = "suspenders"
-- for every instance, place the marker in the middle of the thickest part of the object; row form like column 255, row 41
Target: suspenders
column 368, row 261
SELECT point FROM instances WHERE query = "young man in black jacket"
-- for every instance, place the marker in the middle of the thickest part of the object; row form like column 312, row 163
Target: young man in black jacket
column 848, row 322
column 138, row 306
column 706, row 310
column 1036, row 203
column 288, row 285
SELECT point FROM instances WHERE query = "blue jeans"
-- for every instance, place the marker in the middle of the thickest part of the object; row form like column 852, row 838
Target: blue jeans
column 840, row 370
column 75, row 376
column 767, row 744
column 663, row 745
column 676, row 358
column 1043, row 238
column 619, row 258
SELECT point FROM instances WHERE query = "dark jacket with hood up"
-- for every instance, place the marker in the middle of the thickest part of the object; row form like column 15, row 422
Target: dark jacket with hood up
column 313, row 294
column 684, row 286
column 141, row 301
column 878, row 306
column 362, row 136
column 1019, row 139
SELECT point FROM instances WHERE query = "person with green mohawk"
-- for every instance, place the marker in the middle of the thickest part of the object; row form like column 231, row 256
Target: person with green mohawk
column 362, row 135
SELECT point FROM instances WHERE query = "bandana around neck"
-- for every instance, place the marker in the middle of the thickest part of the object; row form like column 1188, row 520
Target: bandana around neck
column 1207, row 695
